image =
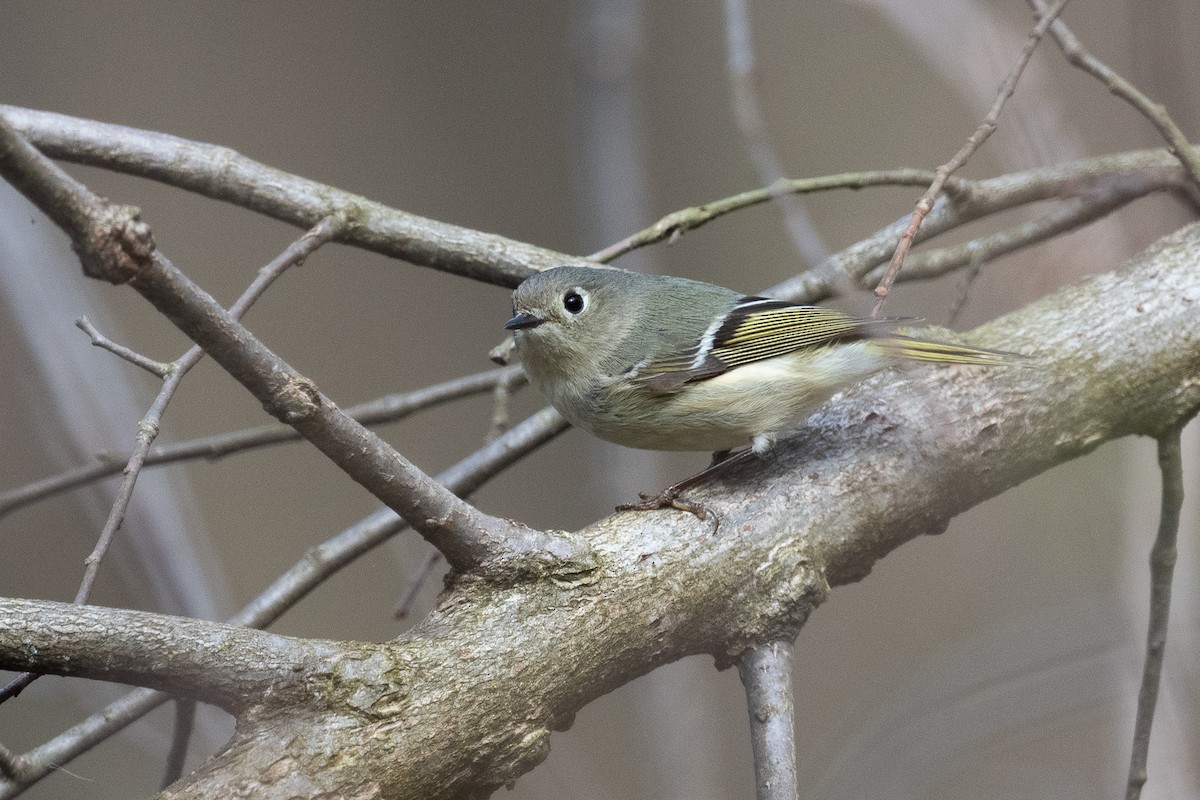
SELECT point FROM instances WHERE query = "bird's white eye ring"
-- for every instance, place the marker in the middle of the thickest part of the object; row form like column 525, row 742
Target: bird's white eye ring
column 575, row 301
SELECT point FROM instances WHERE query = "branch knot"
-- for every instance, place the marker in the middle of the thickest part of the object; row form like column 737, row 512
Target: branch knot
column 117, row 245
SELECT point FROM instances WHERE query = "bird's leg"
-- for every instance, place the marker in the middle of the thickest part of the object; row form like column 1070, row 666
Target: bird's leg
column 669, row 497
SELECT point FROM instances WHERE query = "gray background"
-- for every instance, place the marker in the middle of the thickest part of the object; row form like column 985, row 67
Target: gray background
column 997, row 660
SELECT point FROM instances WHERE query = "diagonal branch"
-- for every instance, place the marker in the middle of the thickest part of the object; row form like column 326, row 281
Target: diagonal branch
column 114, row 245
column 1077, row 55
column 389, row 408
column 974, row 141
column 223, row 174
column 150, row 424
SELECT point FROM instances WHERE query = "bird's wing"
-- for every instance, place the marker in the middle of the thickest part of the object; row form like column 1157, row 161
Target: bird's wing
column 756, row 329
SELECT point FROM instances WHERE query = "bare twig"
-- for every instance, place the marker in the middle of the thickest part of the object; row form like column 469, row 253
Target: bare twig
column 388, row 408
column 981, row 134
column 1076, row 214
column 418, row 583
column 149, row 426
column 974, row 269
column 766, row 672
column 1077, row 55
column 1162, row 568
column 185, row 720
column 1140, row 173
column 749, row 116
column 679, row 222
column 501, row 394
column 17, row 685
column 155, row 368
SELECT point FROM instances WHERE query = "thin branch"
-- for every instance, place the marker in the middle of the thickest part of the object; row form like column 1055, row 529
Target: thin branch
column 185, row 721
column 1076, row 214
column 1162, row 568
column 766, row 672
column 1077, row 55
column 749, row 117
column 229, row 665
column 114, row 245
column 675, row 224
column 17, row 685
column 388, row 408
column 223, row 174
column 158, row 369
column 418, row 583
column 1152, row 171
column 150, row 424
column 50, row 756
column 981, row 134
column 313, row 568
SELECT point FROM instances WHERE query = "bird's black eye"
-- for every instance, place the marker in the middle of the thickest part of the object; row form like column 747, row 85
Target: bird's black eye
column 573, row 302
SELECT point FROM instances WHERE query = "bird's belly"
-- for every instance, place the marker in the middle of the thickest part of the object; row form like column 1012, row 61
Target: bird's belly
column 752, row 403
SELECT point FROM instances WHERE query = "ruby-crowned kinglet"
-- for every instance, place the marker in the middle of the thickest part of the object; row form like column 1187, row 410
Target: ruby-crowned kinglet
column 665, row 363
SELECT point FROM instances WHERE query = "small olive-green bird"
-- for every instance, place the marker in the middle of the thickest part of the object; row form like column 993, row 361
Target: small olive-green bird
column 666, row 363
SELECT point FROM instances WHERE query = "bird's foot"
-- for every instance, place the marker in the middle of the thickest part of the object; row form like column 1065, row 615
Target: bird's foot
column 669, row 498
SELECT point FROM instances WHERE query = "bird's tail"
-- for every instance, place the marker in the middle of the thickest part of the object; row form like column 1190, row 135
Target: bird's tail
column 898, row 346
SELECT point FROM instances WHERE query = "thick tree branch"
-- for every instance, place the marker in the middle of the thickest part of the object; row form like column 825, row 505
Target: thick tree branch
column 230, row 666
column 895, row 459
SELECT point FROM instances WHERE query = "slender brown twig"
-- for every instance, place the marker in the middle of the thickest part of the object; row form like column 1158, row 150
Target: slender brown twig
column 981, row 134
column 150, row 424
column 410, row 597
column 675, row 224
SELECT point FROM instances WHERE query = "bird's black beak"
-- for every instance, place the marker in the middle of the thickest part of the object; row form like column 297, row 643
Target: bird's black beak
column 522, row 321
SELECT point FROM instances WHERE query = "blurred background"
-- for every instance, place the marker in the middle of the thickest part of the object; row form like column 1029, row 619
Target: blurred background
column 998, row 660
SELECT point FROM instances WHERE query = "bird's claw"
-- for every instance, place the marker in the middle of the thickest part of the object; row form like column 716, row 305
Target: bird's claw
column 669, row 498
